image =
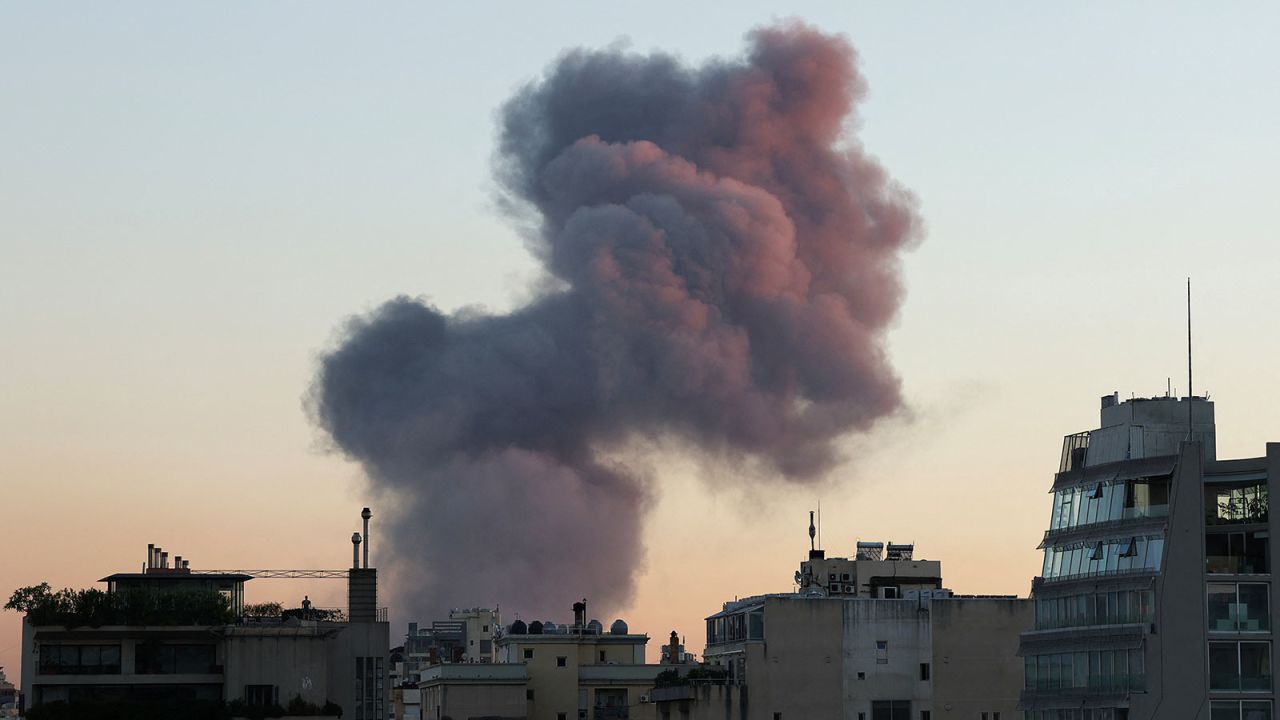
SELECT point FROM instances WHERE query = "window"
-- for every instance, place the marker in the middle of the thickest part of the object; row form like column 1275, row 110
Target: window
column 891, row 592
column 156, row 659
column 1240, row 710
column 561, row 716
column 924, row 715
column 924, row 671
column 1236, row 503
column 260, row 695
column 79, row 659
column 528, row 653
column 1240, row 665
column 484, row 628
column 890, row 710
column 1239, row 607
column 370, row 690
column 882, row 652
column 777, row 716
column 1237, row 553
column 562, row 661
column 528, row 694
column 601, row 656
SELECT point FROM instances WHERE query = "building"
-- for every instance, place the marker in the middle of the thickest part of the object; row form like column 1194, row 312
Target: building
column 466, row 637
column 171, row 635
column 546, row 671
column 8, row 697
column 1154, row 596
column 874, row 637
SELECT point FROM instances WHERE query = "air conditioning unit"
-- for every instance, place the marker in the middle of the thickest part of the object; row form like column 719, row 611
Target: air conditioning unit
column 644, row 699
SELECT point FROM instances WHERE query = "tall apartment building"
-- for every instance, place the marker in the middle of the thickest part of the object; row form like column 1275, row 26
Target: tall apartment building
column 873, row 637
column 1154, row 596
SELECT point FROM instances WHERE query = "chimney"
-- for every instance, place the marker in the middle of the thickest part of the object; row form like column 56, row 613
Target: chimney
column 355, row 551
column 151, row 555
column 673, row 651
column 164, row 559
column 580, row 614
column 177, row 561
column 366, row 515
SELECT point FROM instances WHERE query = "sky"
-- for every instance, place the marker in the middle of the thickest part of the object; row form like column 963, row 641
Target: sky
column 194, row 198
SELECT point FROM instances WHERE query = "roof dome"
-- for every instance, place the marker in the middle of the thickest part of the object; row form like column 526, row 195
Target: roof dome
column 619, row 627
column 519, row 628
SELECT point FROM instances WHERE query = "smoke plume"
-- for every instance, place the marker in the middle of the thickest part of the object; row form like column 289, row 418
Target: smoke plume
column 721, row 262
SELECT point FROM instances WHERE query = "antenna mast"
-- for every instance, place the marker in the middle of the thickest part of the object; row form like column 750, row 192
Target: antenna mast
column 1190, row 394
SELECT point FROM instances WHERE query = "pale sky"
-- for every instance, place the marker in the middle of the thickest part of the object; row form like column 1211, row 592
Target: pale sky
column 193, row 198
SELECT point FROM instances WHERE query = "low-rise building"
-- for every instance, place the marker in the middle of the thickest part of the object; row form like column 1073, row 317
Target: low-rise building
column 867, row 638
column 176, row 636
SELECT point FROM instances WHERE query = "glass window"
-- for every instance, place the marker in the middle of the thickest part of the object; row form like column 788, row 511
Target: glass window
column 1235, row 503
column 1255, row 710
column 1253, row 608
column 1222, row 606
column 1255, row 666
column 1224, row 710
column 1224, row 666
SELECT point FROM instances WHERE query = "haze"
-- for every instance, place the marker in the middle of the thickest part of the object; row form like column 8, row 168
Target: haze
column 193, row 199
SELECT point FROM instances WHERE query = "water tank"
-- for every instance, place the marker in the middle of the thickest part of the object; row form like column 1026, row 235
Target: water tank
column 535, row 627
column 619, row 627
column 595, row 628
column 519, row 628
column 550, row 628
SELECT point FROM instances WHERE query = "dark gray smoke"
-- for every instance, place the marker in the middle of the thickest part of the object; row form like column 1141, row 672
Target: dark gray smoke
column 725, row 261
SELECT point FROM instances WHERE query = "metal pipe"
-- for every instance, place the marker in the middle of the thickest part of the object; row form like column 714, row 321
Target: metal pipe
column 366, row 515
column 164, row 559
column 355, row 550
column 151, row 554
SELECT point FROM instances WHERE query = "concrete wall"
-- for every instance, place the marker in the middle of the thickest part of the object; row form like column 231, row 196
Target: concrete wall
column 463, row 701
column 797, row 670
column 975, row 664
column 905, row 626
column 295, row 664
column 1176, row 653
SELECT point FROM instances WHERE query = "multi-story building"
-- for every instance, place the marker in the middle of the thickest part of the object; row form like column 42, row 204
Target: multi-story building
column 170, row 635
column 466, row 637
column 546, row 671
column 872, row 638
column 1153, row 600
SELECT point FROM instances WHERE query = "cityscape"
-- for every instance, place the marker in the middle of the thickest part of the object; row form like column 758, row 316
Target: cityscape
column 574, row 361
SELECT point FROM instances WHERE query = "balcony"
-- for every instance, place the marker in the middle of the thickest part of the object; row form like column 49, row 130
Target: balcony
column 610, row 712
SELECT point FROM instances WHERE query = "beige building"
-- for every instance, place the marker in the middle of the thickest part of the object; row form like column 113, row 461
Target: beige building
column 889, row 643
column 545, row 671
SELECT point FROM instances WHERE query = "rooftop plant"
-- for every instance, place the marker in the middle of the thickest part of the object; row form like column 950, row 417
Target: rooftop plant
column 94, row 608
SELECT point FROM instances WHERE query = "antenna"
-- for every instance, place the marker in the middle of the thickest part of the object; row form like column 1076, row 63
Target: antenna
column 819, row 523
column 812, row 532
column 1190, row 394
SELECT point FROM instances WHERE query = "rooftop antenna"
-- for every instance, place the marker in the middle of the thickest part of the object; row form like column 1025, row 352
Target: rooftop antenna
column 1190, row 394
column 819, row 523
column 812, row 533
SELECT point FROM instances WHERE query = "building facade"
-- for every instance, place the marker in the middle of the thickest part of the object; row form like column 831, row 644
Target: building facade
column 168, row 654
column 1153, row 599
column 870, row 638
